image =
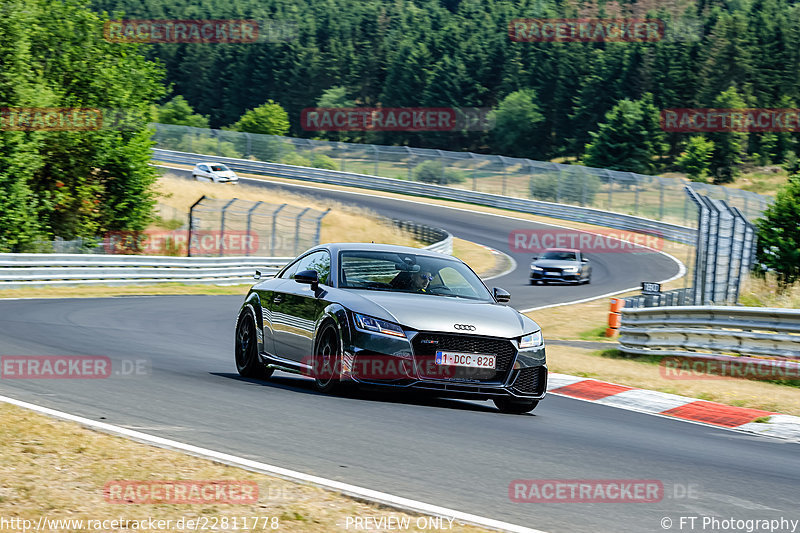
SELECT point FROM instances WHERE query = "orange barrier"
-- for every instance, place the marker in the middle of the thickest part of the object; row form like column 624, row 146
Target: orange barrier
column 614, row 318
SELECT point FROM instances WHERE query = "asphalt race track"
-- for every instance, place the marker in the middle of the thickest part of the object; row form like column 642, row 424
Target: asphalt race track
column 611, row 271
column 450, row 453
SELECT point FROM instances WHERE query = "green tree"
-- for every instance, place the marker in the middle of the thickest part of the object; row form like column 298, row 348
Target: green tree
column 623, row 141
column 178, row 111
column 779, row 233
column 81, row 182
column 729, row 146
column 269, row 118
column 696, row 160
column 517, row 125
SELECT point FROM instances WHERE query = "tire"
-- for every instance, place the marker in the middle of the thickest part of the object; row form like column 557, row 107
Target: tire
column 534, row 282
column 246, row 351
column 328, row 360
column 588, row 280
column 515, row 407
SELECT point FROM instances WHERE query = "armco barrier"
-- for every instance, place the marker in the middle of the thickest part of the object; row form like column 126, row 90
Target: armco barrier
column 565, row 212
column 703, row 331
column 50, row 270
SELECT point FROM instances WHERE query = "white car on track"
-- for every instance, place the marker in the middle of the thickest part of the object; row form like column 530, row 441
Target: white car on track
column 215, row 172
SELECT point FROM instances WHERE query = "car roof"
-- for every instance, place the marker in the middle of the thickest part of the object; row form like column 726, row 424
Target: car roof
column 210, row 163
column 336, row 247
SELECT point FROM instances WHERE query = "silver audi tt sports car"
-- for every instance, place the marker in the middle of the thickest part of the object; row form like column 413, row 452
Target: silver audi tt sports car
column 391, row 316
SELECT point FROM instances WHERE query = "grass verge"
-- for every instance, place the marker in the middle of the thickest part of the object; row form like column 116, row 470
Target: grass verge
column 58, row 469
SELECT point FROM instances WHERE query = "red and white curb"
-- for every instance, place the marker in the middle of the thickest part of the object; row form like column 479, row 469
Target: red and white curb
column 672, row 405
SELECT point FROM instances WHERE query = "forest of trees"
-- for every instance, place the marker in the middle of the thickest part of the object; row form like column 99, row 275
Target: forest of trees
column 395, row 53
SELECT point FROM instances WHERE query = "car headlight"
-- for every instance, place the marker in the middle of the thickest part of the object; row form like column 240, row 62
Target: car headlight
column 534, row 267
column 571, row 269
column 369, row 324
column 531, row 340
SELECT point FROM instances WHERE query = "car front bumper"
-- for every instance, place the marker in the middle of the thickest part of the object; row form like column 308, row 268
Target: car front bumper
column 409, row 364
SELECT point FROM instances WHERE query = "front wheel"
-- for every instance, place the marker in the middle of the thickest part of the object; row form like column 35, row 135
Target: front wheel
column 515, row 407
column 328, row 361
column 247, row 363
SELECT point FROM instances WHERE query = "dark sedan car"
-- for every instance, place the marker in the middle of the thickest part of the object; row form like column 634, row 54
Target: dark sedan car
column 392, row 316
column 561, row 264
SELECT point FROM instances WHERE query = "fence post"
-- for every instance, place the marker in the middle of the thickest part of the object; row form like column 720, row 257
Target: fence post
column 410, row 158
column 297, row 229
column 474, row 172
column 505, row 176
column 636, row 195
column 191, row 226
column 610, row 177
column 274, row 228
column 222, row 227
column 319, row 225
column 249, row 219
column 377, row 157
column 661, row 199
column 249, row 144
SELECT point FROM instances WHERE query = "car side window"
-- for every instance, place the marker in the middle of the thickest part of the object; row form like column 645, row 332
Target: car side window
column 319, row 261
column 203, row 168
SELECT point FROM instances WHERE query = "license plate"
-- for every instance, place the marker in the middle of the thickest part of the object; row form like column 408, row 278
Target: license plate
column 471, row 360
column 552, row 273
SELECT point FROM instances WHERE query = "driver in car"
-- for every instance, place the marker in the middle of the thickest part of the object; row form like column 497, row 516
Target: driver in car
column 414, row 281
column 421, row 280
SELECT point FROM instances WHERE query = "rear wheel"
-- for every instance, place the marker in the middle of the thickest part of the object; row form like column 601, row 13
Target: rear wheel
column 328, row 361
column 515, row 407
column 247, row 363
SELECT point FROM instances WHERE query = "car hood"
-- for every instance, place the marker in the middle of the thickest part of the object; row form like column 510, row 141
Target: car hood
column 440, row 313
column 555, row 263
column 226, row 174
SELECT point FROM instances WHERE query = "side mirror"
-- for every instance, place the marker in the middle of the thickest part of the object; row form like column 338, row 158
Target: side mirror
column 535, row 257
column 257, row 275
column 309, row 277
column 501, row 295
column 584, row 260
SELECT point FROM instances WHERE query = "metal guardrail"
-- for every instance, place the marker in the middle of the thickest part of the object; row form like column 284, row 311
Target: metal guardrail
column 588, row 215
column 437, row 240
column 604, row 189
column 704, row 331
column 52, row 270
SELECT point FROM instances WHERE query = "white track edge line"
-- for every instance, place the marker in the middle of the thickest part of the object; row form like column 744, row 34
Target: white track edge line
column 383, row 498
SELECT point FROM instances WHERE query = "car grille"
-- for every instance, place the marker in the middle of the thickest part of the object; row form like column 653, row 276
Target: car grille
column 530, row 380
column 427, row 344
column 556, row 270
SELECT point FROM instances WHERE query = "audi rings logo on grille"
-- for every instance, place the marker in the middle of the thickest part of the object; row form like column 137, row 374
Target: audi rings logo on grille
column 464, row 327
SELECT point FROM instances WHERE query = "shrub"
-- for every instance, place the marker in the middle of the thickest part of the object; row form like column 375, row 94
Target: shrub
column 324, row 162
column 433, row 172
column 565, row 187
column 293, row 158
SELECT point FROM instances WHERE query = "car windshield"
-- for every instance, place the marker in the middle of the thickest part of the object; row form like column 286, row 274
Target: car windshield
column 219, row 168
column 559, row 255
column 410, row 273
